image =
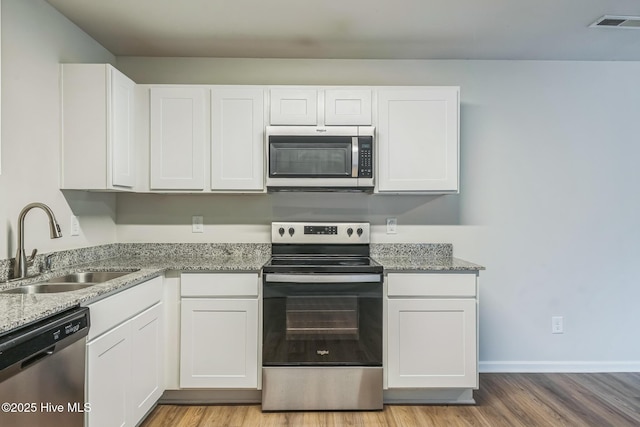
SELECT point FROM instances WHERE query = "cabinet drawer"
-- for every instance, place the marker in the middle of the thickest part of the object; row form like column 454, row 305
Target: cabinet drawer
column 431, row 285
column 218, row 284
column 111, row 311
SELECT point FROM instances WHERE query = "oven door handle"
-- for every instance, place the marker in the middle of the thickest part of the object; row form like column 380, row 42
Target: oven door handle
column 323, row 278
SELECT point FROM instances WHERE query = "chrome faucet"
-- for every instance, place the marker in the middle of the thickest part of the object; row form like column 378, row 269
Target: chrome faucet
column 22, row 262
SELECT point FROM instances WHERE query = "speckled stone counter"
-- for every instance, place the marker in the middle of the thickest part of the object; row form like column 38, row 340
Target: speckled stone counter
column 153, row 259
column 150, row 260
column 20, row 309
column 416, row 257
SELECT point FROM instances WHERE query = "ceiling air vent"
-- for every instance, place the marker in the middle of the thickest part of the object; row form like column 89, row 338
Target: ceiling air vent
column 610, row 21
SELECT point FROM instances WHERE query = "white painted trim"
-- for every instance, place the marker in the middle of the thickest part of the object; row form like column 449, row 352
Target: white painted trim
column 564, row 367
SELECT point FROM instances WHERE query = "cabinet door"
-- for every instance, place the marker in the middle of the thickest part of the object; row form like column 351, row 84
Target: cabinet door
column 147, row 370
column 219, row 343
column 347, row 107
column 97, row 128
column 294, row 107
column 432, row 343
column 237, row 141
column 418, row 140
column 108, row 378
column 177, row 132
column 122, row 131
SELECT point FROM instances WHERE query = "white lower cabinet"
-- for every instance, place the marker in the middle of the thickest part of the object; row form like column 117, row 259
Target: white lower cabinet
column 219, row 331
column 432, row 331
column 146, row 361
column 107, row 381
column 125, row 358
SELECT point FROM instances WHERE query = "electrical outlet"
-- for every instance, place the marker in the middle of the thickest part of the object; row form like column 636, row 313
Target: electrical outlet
column 392, row 224
column 75, row 226
column 197, row 224
column 557, row 325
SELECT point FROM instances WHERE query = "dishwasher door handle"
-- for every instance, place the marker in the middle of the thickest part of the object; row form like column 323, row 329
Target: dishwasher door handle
column 38, row 356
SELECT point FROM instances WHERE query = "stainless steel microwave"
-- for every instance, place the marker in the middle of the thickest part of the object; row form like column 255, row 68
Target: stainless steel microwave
column 331, row 158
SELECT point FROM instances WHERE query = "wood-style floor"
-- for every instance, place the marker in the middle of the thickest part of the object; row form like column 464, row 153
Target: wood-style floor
column 525, row 400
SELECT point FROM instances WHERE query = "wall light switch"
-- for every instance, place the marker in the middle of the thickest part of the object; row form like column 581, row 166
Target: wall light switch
column 197, row 223
column 392, row 224
column 75, row 226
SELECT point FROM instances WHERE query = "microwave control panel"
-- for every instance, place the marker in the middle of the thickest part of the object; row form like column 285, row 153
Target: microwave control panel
column 365, row 160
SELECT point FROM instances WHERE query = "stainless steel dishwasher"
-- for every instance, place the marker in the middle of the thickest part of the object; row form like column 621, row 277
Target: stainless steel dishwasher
column 42, row 372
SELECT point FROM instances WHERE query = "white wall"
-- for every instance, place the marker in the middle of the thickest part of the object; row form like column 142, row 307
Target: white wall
column 549, row 196
column 35, row 39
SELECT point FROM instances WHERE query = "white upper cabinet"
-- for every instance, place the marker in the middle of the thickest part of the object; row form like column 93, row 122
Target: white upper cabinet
column 98, row 144
column 122, row 129
column 418, row 139
column 177, row 138
column 347, row 107
column 294, row 106
column 237, row 138
column 320, row 106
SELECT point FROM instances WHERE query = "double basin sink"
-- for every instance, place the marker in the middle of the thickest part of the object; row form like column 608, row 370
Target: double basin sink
column 68, row 282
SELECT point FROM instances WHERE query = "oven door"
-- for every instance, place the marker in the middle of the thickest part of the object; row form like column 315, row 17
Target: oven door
column 322, row 320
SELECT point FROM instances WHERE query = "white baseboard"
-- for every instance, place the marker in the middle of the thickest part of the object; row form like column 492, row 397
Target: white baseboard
column 560, row 367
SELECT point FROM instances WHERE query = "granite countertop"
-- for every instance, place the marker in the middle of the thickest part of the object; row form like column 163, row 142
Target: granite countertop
column 406, row 264
column 146, row 261
column 20, row 309
column 408, row 257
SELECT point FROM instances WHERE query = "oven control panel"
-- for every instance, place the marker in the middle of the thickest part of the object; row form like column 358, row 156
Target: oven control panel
column 323, row 233
column 320, row 229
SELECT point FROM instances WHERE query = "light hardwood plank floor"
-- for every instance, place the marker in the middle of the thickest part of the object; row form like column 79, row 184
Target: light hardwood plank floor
column 518, row 400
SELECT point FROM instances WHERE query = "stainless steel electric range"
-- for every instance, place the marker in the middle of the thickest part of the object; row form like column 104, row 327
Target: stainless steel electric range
column 322, row 319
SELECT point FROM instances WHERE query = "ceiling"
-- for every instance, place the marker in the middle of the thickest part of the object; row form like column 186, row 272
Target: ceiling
column 375, row 29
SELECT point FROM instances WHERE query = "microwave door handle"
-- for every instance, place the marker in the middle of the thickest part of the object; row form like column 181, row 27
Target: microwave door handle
column 355, row 157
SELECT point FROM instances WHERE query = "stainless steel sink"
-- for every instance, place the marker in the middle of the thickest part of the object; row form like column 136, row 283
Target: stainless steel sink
column 68, row 282
column 88, row 277
column 48, row 288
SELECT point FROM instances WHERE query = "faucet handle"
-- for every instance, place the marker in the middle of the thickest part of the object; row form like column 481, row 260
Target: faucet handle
column 33, row 256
